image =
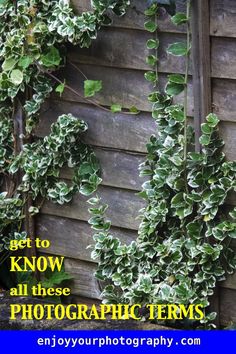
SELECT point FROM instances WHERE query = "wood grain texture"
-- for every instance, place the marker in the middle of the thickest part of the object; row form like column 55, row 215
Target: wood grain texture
column 84, row 282
column 134, row 18
column 227, row 307
column 118, row 169
column 228, row 133
column 132, row 132
column 222, row 14
column 122, row 48
column 223, row 18
column 123, row 208
column 224, row 99
column 223, row 52
column 230, row 282
column 125, row 87
column 126, row 49
column 70, row 238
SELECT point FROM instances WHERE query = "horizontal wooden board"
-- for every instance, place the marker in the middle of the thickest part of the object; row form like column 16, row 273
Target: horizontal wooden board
column 230, row 282
column 223, row 18
column 127, row 49
column 222, row 15
column 70, row 238
column 84, row 282
column 223, row 52
column 125, row 87
column 132, row 132
column 118, row 169
column 123, row 208
column 227, row 307
column 228, row 133
column 135, row 18
column 120, row 131
column 224, row 99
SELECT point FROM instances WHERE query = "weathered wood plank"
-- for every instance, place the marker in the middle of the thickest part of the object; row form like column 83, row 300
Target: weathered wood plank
column 227, row 307
column 133, row 132
column 119, row 131
column 223, row 52
column 224, row 99
column 222, row 13
column 127, row 49
column 228, row 133
column 84, row 282
column 230, row 282
column 123, row 208
column 134, row 18
column 118, row 169
column 126, row 87
column 71, row 238
column 223, row 18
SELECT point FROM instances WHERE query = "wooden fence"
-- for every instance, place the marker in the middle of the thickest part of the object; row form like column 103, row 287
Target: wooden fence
column 117, row 58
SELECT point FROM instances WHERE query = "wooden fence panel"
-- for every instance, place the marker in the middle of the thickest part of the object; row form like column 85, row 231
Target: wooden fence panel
column 70, row 238
column 117, row 58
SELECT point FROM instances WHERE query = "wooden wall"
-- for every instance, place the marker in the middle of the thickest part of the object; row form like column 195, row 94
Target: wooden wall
column 117, row 57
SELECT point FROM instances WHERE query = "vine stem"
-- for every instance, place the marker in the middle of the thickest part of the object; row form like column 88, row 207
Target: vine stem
column 186, row 94
column 77, row 93
column 156, row 50
column 81, row 96
column 186, row 82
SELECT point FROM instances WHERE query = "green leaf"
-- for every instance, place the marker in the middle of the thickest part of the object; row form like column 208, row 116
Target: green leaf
column 9, row 64
column 178, row 200
column 205, row 140
column 116, row 108
column 60, row 88
column 151, row 60
column 87, row 189
column 152, row 44
column 173, row 89
column 16, row 77
column 51, row 58
column 91, row 87
column 212, row 120
column 177, row 78
column 85, row 168
column 33, row 210
column 134, row 110
column 206, row 128
column 150, row 26
column 151, row 10
column 25, row 62
column 150, row 76
column 55, row 278
column 178, row 115
column 179, row 19
column 178, row 49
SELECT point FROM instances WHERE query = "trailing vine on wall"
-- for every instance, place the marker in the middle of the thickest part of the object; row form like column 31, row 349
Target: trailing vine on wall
column 33, row 38
column 183, row 245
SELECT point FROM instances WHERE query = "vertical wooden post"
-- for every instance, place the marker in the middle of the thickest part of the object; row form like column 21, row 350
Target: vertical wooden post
column 201, row 69
column 29, row 224
column 201, row 64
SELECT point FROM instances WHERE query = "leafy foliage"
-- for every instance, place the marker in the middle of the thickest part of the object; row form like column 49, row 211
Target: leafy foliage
column 42, row 161
column 33, row 35
column 183, row 246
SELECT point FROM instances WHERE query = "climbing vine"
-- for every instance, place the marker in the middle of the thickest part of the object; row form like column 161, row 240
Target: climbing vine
column 33, row 38
column 183, row 245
